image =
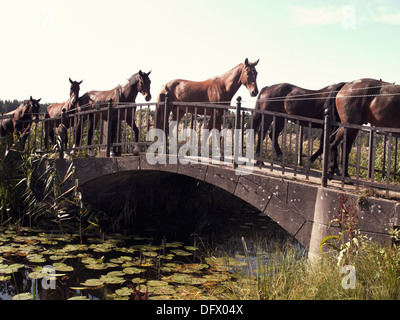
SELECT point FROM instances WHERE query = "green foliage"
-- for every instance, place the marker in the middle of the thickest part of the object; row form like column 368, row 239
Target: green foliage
column 347, row 242
column 32, row 187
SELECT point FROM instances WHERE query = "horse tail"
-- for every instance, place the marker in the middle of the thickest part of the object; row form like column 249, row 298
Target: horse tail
column 256, row 125
column 330, row 102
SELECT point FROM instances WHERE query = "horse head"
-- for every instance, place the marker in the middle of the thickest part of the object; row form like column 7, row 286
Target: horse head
column 248, row 77
column 35, row 107
column 144, row 85
column 74, row 91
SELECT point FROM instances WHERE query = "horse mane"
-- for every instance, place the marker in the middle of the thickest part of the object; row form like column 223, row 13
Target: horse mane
column 228, row 73
column 133, row 79
column 118, row 94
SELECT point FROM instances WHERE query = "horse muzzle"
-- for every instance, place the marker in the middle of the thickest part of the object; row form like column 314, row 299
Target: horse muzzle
column 148, row 97
column 254, row 92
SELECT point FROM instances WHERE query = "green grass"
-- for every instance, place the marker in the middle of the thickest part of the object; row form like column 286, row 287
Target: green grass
column 287, row 274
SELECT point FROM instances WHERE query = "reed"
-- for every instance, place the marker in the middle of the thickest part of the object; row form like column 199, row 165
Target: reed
column 287, row 274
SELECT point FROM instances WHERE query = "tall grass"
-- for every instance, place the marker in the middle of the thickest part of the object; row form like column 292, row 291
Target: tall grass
column 287, row 274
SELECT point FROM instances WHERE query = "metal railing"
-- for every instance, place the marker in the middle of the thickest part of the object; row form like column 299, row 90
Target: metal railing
column 373, row 161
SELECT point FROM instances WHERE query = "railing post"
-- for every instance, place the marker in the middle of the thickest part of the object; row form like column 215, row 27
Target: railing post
column 166, row 116
column 109, row 128
column 62, row 132
column 325, row 156
column 237, row 145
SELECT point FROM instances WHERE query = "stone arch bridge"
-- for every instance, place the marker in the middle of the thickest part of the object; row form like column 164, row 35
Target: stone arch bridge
column 303, row 209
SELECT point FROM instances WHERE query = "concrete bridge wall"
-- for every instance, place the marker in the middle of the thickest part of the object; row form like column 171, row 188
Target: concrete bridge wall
column 303, row 209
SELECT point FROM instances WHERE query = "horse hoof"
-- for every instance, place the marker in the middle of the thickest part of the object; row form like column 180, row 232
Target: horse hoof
column 260, row 164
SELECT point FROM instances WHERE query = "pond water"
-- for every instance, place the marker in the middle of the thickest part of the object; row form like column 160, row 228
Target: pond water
column 143, row 263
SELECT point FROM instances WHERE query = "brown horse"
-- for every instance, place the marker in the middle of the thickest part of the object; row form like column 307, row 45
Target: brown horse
column 366, row 101
column 20, row 120
column 217, row 89
column 54, row 111
column 139, row 82
column 293, row 100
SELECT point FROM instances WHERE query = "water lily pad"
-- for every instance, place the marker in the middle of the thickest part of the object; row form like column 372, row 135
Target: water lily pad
column 112, row 280
column 78, row 298
column 5, row 278
column 97, row 266
column 186, row 279
column 58, row 266
column 169, row 256
column 161, row 297
column 37, row 259
column 191, row 248
column 93, row 282
column 133, row 270
column 156, row 283
column 65, row 269
column 192, row 267
column 180, row 252
column 37, row 275
column 161, row 290
column 125, row 291
column 23, row 296
column 12, row 268
column 7, row 249
column 175, row 244
column 225, row 261
column 121, row 259
column 118, row 273
column 150, row 254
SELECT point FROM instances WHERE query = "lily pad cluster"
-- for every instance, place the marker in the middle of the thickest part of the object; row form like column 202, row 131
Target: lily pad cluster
column 117, row 267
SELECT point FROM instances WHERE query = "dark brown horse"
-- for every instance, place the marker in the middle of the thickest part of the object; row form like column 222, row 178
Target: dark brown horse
column 139, row 82
column 293, row 100
column 217, row 89
column 54, row 111
column 20, row 120
column 366, row 101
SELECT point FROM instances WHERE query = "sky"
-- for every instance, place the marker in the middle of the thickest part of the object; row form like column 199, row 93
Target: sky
column 311, row 43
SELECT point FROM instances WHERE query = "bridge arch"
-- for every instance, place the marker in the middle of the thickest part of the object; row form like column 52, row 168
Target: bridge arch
column 302, row 209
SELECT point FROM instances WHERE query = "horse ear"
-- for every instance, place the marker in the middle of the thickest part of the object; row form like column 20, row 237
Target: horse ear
column 246, row 62
column 38, row 100
column 256, row 63
column 141, row 73
column 149, row 73
column 80, row 82
column 70, row 81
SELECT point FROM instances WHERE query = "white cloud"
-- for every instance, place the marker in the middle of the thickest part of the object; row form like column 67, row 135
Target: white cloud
column 312, row 16
column 393, row 18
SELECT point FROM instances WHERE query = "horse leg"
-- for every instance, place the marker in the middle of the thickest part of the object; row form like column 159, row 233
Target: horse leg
column 116, row 151
column 135, row 129
column 263, row 126
column 279, row 123
column 77, row 135
column 46, row 135
column 333, row 166
column 351, row 135
column 321, row 148
column 90, row 134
